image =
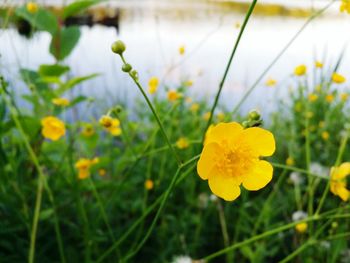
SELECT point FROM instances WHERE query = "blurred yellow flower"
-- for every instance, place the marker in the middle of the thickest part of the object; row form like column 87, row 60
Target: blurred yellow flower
column 194, row 107
column 337, row 78
column 300, row 70
column 220, row 116
column 312, row 97
column 83, row 165
column 318, row 64
column 153, row 85
column 206, row 116
column 321, row 124
column 111, row 124
column 149, row 184
column 231, row 157
column 270, row 82
column 188, row 83
column 345, row 6
column 182, row 50
column 301, row 227
column 173, row 95
column 344, row 97
column 237, row 25
column 325, row 135
column 61, row 102
column 182, row 143
column 102, row 172
column 53, row 128
column 290, row 161
column 338, row 181
column 329, row 98
column 88, row 130
column 32, row 7
column 309, row 114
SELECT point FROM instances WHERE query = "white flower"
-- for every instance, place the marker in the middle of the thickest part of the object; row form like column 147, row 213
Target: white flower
column 318, row 169
column 296, row 178
column 182, row 259
column 213, row 198
column 299, row 215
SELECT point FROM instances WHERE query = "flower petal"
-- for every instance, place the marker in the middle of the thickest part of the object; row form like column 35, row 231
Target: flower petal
column 338, row 173
column 224, row 187
column 343, row 193
column 223, row 131
column 207, row 159
column 261, row 141
column 259, row 176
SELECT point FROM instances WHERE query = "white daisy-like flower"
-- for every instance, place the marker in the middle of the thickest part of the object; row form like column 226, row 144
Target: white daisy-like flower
column 299, row 215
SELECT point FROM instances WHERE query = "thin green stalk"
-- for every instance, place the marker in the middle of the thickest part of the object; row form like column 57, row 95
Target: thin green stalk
column 246, row 19
column 279, row 55
column 298, row 251
column 295, row 169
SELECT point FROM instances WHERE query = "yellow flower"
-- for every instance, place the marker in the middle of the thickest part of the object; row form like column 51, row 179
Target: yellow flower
column 83, row 165
column 194, row 107
column 300, row 70
column 290, row 161
column 206, row 116
column 149, row 184
column 173, row 95
column 338, row 181
column 231, row 157
column 337, row 78
column 53, row 128
column 153, row 85
column 301, row 227
column 344, row 97
column 88, row 130
column 220, row 116
column 32, row 7
column 61, row 102
column 330, row 98
column 321, row 124
column 318, row 64
column 270, row 82
column 102, row 172
column 182, row 50
column 345, row 6
column 111, row 124
column 312, row 97
column 325, row 135
column 182, row 143
column 188, row 83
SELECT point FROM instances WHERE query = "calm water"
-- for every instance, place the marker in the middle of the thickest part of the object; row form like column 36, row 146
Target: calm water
column 154, row 31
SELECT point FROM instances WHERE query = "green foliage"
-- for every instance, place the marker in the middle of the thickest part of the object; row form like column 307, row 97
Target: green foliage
column 63, row 43
column 78, row 7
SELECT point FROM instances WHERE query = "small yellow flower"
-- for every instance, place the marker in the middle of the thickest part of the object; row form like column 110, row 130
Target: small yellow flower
column 325, row 135
column 220, row 116
column 194, row 107
column 231, row 158
column 337, row 78
column 318, row 64
column 61, row 102
column 301, row 227
column 270, row 82
column 188, row 83
column 321, row 124
column 32, row 7
column 182, row 50
column 149, row 184
column 88, row 130
column 102, row 172
column 345, row 6
column 290, row 161
column 330, row 98
column 83, row 165
column 312, row 97
column 53, row 128
column 338, row 181
column 206, row 116
column 111, row 124
column 153, row 85
column 300, row 70
column 182, row 143
column 173, row 95
column 344, row 97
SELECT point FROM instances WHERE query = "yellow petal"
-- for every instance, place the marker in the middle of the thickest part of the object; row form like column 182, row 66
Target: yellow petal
column 343, row 193
column 259, row 176
column 224, row 131
column 262, row 142
column 340, row 172
column 224, row 187
column 207, row 160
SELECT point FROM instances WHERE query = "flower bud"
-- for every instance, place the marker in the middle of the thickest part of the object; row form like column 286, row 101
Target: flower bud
column 127, row 67
column 134, row 74
column 118, row 47
column 254, row 115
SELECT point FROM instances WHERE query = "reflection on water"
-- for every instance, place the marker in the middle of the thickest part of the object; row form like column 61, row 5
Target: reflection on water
column 153, row 35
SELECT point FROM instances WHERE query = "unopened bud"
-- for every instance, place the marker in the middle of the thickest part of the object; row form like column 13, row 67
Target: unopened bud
column 127, row 67
column 118, row 47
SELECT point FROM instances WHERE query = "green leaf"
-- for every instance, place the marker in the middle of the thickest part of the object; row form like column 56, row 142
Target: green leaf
column 77, row 7
column 45, row 214
column 63, row 43
column 73, row 82
column 52, row 70
column 43, row 19
column 32, row 78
